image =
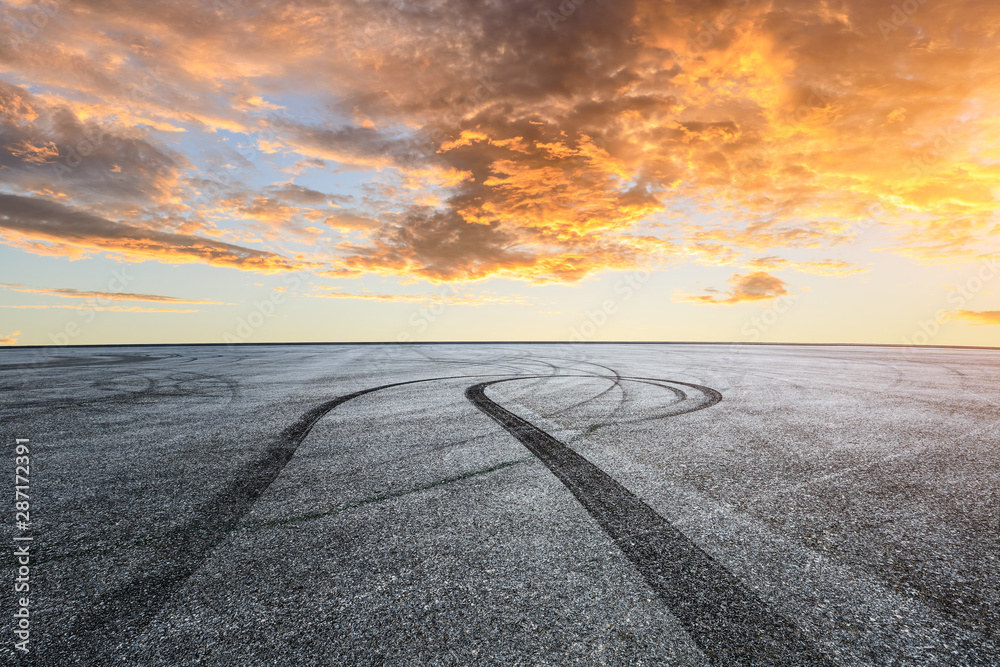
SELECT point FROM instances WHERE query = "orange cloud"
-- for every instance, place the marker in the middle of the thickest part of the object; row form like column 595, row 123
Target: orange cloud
column 758, row 286
column 828, row 267
column 70, row 293
column 346, row 220
column 30, row 153
column 523, row 146
column 444, row 247
column 10, row 339
column 979, row 316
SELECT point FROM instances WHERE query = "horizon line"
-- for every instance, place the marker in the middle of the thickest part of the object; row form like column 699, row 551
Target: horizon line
column 500, row 342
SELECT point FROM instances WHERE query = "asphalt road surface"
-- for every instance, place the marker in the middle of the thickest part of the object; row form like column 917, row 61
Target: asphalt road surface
column 505, row 504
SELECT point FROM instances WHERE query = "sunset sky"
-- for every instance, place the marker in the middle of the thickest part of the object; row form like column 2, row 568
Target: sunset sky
column 245, row 171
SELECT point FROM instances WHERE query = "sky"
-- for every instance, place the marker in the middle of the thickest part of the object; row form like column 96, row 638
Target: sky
column 237, row 171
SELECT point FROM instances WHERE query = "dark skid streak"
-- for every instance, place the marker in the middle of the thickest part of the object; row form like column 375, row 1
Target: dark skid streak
column 125, row 611
column 729, row 623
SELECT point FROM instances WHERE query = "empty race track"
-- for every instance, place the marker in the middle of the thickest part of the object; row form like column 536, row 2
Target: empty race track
column 510, row 504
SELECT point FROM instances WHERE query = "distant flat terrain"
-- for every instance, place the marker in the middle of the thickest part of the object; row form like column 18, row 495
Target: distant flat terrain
column 508, row 504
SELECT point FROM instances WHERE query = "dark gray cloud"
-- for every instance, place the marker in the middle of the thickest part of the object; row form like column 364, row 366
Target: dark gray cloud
column 27, row 218
column 48, row 148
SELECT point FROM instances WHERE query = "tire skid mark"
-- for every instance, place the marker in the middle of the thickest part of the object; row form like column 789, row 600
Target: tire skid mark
column 157, row 387
column 730, row 624
column 95, row 360
column 392, row 495
column 680, row 405
column 616, row 382
column 123, row 612
column 301, row 518
column 126, row 610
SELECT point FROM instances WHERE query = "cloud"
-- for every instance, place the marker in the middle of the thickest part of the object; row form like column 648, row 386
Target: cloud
column 448, row 299
column 758, row 286
column 538, row 142
column 272, row 211
column 10, row 339
column 291, row 211
column 438, row 246
column 48, row 147
column 26, row 218
column 113, row 309
column 29, row 153
column 979, row 317
column 348, row 221
column 70, row 293
column 826, row 267
column 298, row 194
column 348, row 145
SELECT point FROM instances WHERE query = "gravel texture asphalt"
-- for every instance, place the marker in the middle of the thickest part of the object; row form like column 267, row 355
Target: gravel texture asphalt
column 657, row 504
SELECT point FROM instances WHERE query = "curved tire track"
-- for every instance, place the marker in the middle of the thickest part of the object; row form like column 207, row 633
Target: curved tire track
column 123, row 612
column 729, row 623
column 726, row 620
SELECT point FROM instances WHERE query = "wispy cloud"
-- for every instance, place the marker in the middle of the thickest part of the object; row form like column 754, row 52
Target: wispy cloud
column 10, row 339
column 70, row 293
column 112, row 309
column 827, row 267
column 448, row 299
